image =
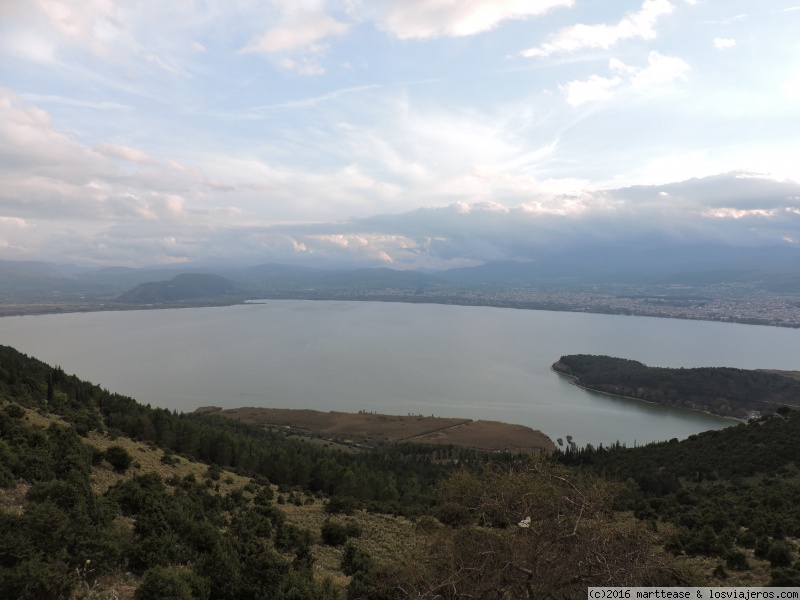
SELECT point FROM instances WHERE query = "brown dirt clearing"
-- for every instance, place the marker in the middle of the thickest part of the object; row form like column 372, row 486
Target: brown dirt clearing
column 371, row 428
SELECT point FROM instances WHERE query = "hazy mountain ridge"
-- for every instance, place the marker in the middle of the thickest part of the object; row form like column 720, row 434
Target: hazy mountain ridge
column 588, row 263
column 698, row 280
column 186, row 286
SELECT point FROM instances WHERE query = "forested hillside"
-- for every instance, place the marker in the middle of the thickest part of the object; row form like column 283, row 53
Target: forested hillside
column 729, row 494
column 719, row 390
column 102, row 497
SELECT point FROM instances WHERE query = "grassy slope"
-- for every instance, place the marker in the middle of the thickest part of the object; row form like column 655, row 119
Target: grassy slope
column 385, row 537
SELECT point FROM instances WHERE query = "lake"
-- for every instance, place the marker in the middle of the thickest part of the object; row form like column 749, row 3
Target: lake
column 395, row 358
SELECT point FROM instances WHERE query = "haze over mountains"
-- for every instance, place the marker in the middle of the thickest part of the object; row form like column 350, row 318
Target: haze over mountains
column 772, row 269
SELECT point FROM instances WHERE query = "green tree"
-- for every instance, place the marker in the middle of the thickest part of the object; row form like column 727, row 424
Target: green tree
column 780, row 554
column 119, row 458
column 160, row 583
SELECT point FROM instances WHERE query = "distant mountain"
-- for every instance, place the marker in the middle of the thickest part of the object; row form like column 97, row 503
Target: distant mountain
column 186, row 286
column 41, row 269
column 511, row 273
column 274, row 277
column 772, row 268
column 124, row 277
column 15, row 283
column 379, row 278
column 271, row 273
column 661, row 266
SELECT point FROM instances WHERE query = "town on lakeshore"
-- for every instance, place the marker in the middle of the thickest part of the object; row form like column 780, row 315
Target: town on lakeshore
column 763, row 297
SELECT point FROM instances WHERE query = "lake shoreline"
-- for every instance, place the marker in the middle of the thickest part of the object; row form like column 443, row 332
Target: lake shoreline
column 574, row 380
column 33, row 309
column 394, row 359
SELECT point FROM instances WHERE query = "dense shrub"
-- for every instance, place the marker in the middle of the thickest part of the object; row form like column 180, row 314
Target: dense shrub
column 355, row 560
column 333, row 533
column 780, row 554
column 160, row 583
column 119, row 458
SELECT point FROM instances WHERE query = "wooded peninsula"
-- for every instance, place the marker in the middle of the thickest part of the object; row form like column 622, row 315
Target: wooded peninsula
column 723, row 391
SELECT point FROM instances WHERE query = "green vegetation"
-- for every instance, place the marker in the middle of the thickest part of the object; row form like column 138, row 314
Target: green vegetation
column 99, row 493
column 727, row 494
column 719, row 390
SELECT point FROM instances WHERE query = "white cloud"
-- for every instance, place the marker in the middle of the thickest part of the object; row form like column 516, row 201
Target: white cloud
column 635, row 25
column 298, row 41
column 124, row 153
column 421, row 19
column 14, row 222
column 723, row 43
column 303, row 32
column 593, row 89
column 661, row 69
column 47, row 174
column 735, row 213
column 29, row 45
column 46, row 27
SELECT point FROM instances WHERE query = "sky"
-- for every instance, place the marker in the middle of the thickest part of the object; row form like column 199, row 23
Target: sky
column 397, row 133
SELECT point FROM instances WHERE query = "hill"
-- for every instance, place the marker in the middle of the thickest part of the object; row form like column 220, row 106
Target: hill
column 186, row 286
column 720, row 390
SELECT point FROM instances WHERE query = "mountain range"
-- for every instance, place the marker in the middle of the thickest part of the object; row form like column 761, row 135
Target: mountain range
column 769, row 269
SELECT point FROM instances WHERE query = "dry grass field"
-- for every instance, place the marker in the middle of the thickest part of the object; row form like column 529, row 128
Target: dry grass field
column 371, row 428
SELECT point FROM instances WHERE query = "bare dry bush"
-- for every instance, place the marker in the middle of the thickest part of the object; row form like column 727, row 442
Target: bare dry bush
column 538, row 531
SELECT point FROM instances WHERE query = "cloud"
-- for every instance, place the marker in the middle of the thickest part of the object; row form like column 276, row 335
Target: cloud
column 640, row 24
column 424, row 19
column 45, row 28
column 14, row 222
column 47, row 175
column 728, row 209
column 124, row 153
column 723, row 208
column 304, row 32
column 723, row 43
column 660, row 70
column 591, row 90
column 299, row 41
column 733, row 213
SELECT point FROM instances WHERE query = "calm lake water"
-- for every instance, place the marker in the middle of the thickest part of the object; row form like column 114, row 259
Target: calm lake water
column 473, row 362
